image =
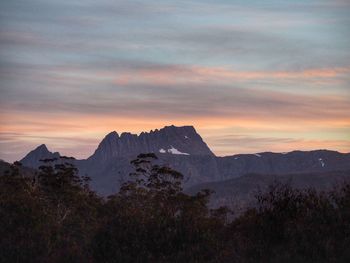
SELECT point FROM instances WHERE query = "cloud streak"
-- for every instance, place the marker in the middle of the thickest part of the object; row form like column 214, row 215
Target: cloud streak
column 72, row 69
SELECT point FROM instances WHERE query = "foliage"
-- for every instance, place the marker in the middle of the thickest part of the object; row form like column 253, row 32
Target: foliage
column 54, row 216
column 152, row 220
column 48, row 217
column 291, row 225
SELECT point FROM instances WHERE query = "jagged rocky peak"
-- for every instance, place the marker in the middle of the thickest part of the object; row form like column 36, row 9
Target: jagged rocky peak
column 127, row 135
column 107, row 146
column 168, row 140
column 32, row 159
column 111, row 136
column 41, row 149
column 110, row 139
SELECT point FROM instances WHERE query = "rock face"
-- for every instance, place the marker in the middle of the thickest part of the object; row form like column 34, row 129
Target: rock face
column 180, row 147
column 169, row 140
column 183, row 149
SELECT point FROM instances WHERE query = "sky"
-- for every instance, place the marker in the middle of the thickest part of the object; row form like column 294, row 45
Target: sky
column 250, row 76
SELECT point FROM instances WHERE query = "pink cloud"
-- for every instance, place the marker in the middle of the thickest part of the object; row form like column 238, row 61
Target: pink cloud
column 197, row 74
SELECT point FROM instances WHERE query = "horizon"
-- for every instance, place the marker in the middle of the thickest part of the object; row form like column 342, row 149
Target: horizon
column 250, row 76
column 147, row 132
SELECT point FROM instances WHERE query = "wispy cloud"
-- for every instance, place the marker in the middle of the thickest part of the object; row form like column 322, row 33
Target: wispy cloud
column 72, row 69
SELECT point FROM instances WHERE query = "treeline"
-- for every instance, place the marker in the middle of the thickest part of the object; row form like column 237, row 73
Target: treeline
column 54, row 216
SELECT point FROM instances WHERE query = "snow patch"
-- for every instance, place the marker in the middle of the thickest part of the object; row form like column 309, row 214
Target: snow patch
column 172, row 150
column 175, row 151
column 321, row 162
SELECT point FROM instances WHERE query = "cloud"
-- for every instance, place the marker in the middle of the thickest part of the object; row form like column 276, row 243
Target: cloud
column 199, row 74
column 244, row 34
column 175, row 91
column 88, row 67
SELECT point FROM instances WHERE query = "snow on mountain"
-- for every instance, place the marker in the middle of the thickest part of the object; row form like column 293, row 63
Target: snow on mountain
column 172, row 150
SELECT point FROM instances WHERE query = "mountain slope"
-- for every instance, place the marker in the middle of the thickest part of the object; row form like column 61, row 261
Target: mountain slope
column 239, row 193
column 283, row 163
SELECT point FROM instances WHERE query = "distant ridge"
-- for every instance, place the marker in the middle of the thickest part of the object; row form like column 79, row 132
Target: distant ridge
column 183, row 149
column 32, row 159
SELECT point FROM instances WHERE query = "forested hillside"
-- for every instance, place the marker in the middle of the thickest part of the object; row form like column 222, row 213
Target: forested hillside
column 54, row 216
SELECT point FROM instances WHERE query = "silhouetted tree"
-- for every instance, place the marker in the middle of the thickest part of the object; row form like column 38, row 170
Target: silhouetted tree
column 291, row 225
column 152, row 220
column 46, row 218
column 54, row 216
column 23, row 221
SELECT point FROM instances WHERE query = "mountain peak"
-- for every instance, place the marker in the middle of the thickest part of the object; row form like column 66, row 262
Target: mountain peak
column 127, row 135
column 42, row 147
column 32, row 159
column 182, row 140
column 112, row 135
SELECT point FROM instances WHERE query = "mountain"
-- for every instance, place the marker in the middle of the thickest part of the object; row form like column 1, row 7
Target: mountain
column 183, row 149
column 180, row 147
column 240, row 192
column 283, row 163
column 32, row 159
column 169, row 140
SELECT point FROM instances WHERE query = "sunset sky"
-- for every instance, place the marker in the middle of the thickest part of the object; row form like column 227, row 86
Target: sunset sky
column 251, row 76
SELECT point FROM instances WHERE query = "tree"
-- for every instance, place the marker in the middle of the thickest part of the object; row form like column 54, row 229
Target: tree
column 292, row 225
column 151, row 219
column 23, row 221
column 47, row 217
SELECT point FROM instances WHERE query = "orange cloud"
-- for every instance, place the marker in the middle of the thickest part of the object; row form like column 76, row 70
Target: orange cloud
column 196, row 74
column 182, row 74
column 309, row 73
